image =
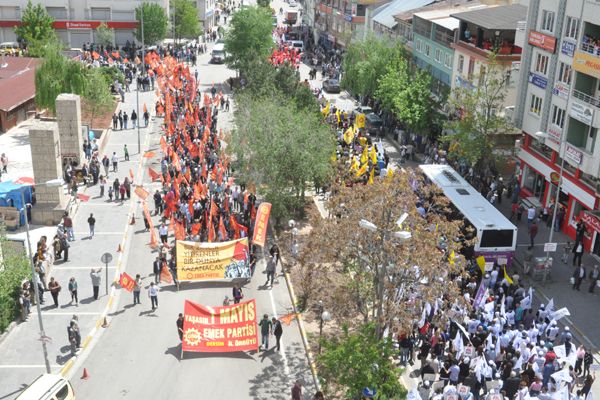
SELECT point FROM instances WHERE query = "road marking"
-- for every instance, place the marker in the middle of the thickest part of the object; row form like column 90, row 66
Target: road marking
column 44, row 313
column 6, row 366
column 286, row 367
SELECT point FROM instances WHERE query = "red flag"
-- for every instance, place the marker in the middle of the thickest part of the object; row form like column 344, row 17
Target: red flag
column 127, row 282
column 222, row 229
column 211, row 231
column 260, row 225
column 165, row 275
column 83, row 197
column 149, row 154
column 153, row 174
column 131, row 173
column 234, row 226
column 179, row 231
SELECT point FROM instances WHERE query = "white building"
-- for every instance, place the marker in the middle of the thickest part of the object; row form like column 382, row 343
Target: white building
column 76, row 20
column 207, row 13
column 559, row 95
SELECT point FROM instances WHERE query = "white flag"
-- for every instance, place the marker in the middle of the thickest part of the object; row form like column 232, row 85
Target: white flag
column 558, row 314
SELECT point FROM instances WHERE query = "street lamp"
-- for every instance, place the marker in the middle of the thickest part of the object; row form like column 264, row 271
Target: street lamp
column 137, row 92
column 324, row 316
column 50, row 183
column 544, row 135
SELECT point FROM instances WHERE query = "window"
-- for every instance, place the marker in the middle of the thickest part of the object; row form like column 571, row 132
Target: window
column 558, row 116
column 482, row 72
column 564, row 73
column 100, row 14
column 447, row 60
column 418, row 45
column 548, row 21
column 427, row 49
column 541, row 64
column 438, row 55
column 461, row 64
column 572, row 28
column 535, row 106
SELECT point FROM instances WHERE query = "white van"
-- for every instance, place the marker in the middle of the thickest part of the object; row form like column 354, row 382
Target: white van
column 48, row 387
column 296, row 44
column 9, row 48
column 217, row 56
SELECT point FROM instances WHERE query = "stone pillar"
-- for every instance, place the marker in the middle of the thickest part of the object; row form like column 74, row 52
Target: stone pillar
column 47, row 165
column 68, row 116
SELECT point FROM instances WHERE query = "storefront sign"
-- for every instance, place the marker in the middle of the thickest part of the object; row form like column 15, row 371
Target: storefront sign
column 542, row 41
column 554, row 178
column 581, row 113
column 587, row 63
column 93, row 24
column 561, row 90
column 554, row 134
column 573, row 154
column 568, row 48
column 538, row 80
column 590, row 220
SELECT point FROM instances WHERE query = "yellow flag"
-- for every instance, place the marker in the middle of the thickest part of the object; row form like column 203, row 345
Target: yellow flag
column 338, row 115
column 371, row 177
column 363, row 141
column 362, row 170
column 349, row 135
column 355, row 165
column 451, row 258
column 360, row 120
column 390, row 172
column 508, row 278
column 373, row 155
column 481, row 262
column 325, row 109
column 365, row 156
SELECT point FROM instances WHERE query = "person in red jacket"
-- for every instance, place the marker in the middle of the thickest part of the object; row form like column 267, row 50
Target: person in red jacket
column 533, row 230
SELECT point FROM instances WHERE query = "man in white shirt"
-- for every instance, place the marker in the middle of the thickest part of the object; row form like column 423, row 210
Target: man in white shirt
column 115, row 161
column 530, row 216
column 153, row 294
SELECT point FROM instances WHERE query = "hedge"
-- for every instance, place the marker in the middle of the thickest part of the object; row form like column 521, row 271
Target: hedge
column 14, row 269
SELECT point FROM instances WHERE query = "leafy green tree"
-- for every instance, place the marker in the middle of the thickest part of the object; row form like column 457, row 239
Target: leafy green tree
column 105, row 36
column 407, row 94
column 155, row 23
column 365, row 62
column 479, row 118
column 355, row 360
column 280, row 148
column 97, row 96
column 264, row 3
column 36, row 28
column 249, row 38
column 185, row 19
column 15, row 269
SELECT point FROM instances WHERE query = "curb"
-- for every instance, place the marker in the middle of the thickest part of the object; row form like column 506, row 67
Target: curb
column 8, row 330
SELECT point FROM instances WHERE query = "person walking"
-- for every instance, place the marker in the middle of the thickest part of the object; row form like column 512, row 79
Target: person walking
column 238, row 295
column 179, row 324
column 266, row 329
column 92, row 223
column 577, row 254
column 137, row 289
column 102, row 185
column 4, row 161
column 133, row 119
column 163, row 232
column 115, row 121
column 146, row 118
column 156, row 268
column 578, row 277
column 125, row 152
column 277, row 331
column 125, row 119
column 54, row 288
column 297, row 391
column 105, row 164
column 96, row 279
column 120, row 117
column 68, row 224
column 153, row 294
column 115, row 162
column 270, row 271
column 73, row 290
column 594, row 277
column 533, row 230
column 530, row 215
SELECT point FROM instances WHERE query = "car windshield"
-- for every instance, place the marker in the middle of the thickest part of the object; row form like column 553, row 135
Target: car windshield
column 333, row 82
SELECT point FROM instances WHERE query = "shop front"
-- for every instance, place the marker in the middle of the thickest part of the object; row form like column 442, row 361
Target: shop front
column 540, row 180
column 591, row 219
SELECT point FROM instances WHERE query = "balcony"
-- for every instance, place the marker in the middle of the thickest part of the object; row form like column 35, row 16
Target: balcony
column 485, row 42
column 586, row 98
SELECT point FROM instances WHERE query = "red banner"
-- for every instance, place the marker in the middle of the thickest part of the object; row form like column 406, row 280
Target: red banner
column 220, row 329
column 127, row 282
column 260, row 225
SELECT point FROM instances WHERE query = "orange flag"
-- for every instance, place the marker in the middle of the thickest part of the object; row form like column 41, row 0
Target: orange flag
column 211, row 230
column 222, row 229
column 145, row 108
column 153, row 174
column 149, row 154
column 196, row 228
column 165, row 275
column 179, row 231
column 141, row 192
column 287, row 319
column 83, row 197
column 131, row 173
column 153, row 235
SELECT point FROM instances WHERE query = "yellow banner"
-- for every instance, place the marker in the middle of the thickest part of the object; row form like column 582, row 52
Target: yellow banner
column 360, row 120
column 212, row 261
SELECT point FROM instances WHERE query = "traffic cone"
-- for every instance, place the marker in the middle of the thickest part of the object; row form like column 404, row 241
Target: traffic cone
column 119, row 249
column 132, row 220
column 85, row 374
column 105, row 323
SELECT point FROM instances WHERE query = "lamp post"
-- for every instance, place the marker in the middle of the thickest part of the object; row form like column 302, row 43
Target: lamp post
column 137, row 93
column 324, row 316
column 50, row 183
column 543, row 135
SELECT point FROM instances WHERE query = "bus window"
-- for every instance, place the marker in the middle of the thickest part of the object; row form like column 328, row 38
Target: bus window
column 497, row 238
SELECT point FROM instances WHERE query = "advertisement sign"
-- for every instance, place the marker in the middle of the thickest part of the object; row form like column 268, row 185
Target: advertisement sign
column 561, row 90
column 590, row 220
column 568, row 48
column 587, row 63
column 538, row 80
column 260, row 225
column 209, row 261
column 573, row 154
column 554, row 134
column 542, row 41
column 581, row 113
column 209, row 329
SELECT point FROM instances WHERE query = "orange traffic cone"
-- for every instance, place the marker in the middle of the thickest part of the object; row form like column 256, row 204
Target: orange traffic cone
column 119, row 249
column 105, row 323
column 132, row 220
column 85, row 374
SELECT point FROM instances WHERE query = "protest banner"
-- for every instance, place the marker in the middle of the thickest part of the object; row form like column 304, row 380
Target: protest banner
column 212, row 261
column 260, row 226
column 219, row 329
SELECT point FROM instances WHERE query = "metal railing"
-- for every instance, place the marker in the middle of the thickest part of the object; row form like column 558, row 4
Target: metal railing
column 590, row 49
column 586, row 98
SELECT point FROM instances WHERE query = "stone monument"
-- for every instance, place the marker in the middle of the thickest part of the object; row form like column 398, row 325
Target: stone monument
column 68, row 116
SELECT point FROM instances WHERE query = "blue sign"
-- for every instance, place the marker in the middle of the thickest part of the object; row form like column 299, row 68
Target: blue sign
column 348, row 17
column 538, row 81
column 568, row 48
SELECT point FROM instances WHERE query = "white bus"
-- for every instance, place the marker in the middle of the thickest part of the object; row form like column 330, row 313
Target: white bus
column 496, row 236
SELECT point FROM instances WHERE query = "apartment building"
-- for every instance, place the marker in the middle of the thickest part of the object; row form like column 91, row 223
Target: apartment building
column 336, row 22
column 558, row 110
column 76, row 20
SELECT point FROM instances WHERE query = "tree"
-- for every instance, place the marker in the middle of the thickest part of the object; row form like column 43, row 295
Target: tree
column 478, row 116
column 407, row 94
column 97, row 96
column 105, row 36
column 280, row 148
column 36, row 28
column 185, row 19
column 155, row 23
column 353, row 361
column 386, row 280
column 264, row 3
column 365, row 62
column 249, row 37
column 15, row 269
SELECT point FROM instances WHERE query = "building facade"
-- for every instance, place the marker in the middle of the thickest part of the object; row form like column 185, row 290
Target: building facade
column 207, row 13
column 336, row 22
column 558, row 110
column 76, row 20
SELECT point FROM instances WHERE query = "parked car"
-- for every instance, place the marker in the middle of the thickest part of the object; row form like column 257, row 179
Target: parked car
column 363, row 110
column 373, row 124
column 332, row 86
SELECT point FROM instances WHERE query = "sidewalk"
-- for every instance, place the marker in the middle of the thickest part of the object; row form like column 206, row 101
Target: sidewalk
column 22, row 359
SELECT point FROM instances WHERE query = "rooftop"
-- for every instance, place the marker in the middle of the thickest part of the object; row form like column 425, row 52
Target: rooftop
column 384, row 14
column 500, row 18
column 440, row 7
column 17, row 81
